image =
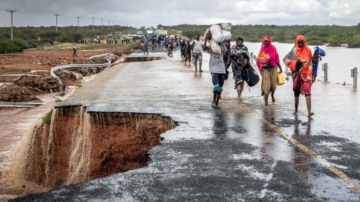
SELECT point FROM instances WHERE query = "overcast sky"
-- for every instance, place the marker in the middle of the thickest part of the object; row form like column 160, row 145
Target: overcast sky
column 170, row 12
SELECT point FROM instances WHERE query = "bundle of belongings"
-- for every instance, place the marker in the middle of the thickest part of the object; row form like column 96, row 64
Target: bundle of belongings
column 218, row 33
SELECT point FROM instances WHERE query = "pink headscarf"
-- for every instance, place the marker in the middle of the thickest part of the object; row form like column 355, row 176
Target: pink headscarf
column 267, row 54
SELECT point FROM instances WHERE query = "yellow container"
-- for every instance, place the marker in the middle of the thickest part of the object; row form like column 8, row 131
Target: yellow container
column 280, row 79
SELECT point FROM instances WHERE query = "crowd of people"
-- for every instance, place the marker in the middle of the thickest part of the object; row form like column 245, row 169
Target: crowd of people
column 299, row 60
column 169, row 43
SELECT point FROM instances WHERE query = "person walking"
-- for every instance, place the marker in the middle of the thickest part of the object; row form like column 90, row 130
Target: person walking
column 239, row 59
column 197, row 52
column 182, row 50
column 187, row 52
column 217, row 70
column 74, row 52
column 145, row 44
column 299, row 61
column 268, row 63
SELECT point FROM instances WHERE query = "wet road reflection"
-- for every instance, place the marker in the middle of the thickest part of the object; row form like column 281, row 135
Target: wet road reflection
column 301, row 160
column 267, row 137
column 220, row 127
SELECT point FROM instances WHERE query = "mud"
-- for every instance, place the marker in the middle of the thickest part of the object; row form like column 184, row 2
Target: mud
column 45, row 60
column 14, row 93
column 78, row 146
column 26, row 88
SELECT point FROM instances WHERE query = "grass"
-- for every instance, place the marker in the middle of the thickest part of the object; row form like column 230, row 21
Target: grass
column 12, row 71
column 57, row 100
column 47, row 118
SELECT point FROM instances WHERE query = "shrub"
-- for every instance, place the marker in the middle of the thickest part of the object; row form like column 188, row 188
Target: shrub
column 8, row 46
column 47, row 118
column 354, row 42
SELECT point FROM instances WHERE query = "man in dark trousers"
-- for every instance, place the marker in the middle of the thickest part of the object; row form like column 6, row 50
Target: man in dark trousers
column 74, row 54
column 182, row 46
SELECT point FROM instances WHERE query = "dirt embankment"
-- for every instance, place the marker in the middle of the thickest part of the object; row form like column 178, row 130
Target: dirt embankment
column 101, row 144
column 26, row 88
column 45, row 60
column 37, row 65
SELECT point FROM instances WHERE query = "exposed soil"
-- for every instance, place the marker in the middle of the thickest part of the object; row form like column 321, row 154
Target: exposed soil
column 46, row 59
column 84, row 146
column 26, row 88
column 14, row 93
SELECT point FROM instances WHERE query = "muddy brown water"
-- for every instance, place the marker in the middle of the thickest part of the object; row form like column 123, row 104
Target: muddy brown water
column 78, row 146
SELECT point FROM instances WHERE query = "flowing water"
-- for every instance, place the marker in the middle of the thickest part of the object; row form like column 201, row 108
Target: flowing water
column 78, row 146
column 340, row 60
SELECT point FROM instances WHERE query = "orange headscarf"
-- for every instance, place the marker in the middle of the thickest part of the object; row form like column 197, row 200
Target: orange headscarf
column 303, row 54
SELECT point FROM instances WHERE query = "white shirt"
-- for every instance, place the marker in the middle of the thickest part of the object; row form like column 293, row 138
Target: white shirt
column 198, row 46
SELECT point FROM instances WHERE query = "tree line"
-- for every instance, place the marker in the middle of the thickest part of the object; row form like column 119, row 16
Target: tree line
column 32, row 37
column 315, row 34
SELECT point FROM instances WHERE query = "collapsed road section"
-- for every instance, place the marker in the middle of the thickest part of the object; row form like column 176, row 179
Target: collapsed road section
column 71, row 146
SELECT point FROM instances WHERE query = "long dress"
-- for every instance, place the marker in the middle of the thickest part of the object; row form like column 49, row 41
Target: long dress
column 238, row 59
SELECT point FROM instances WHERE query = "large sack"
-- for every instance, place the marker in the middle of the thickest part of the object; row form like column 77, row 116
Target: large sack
column 226, row 35
column 250, row 76
column 216, row 33
column 207, row 34
column 215, row 47
column 226, row 26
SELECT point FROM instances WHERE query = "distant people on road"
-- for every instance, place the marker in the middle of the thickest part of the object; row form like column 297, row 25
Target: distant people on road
column 217, row 70
column 197, row 52
column 239, row 59
column 145, row 42
column 170, row 50
column 268, row 63
column 299, row 61
column 74, row 52
column 182, row 48
column 187, row 52
column 153, row 43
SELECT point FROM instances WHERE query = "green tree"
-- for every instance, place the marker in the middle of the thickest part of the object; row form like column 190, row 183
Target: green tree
column 52, row 35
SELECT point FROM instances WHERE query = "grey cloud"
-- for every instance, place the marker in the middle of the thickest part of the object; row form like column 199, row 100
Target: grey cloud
column 170, row 12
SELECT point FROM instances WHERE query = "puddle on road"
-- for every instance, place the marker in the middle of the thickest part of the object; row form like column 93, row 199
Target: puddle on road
column 77, row 146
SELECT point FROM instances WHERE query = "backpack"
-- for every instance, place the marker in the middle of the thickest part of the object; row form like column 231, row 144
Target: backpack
column 250, row 76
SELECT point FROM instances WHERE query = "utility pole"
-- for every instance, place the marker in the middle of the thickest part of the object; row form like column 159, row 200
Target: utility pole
column 101, row 24
column 93, row 22
column 57, row 15
column 78, row 24
column 11, row 11
column 109, row 22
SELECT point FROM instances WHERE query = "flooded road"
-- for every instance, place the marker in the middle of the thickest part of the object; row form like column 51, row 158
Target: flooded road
column 243, row 152
column 340, row 61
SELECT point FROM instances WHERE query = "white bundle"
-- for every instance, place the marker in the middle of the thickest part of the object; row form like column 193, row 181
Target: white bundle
column 226, row 26
column 226, row 35
column 216, row 33
column 215, row 47
column 221, row 33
